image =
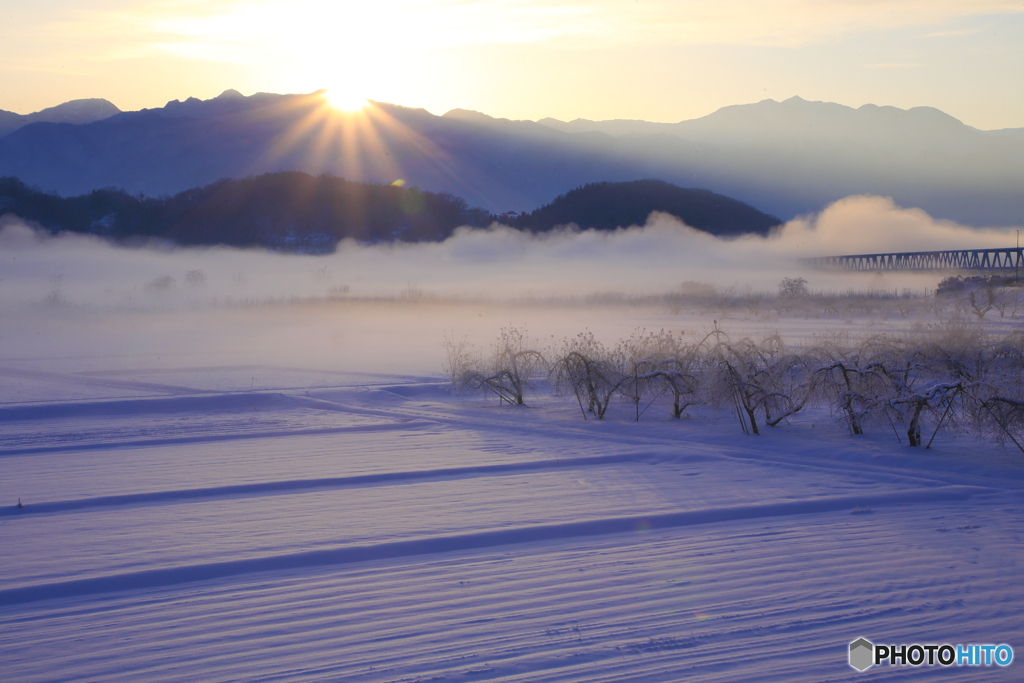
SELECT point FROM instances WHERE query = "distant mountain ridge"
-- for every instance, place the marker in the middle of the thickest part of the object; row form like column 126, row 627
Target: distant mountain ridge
column 786, row 158
column 74, row 112
column 795, row 117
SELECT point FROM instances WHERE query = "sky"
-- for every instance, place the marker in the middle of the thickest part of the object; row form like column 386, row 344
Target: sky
column 658, row 60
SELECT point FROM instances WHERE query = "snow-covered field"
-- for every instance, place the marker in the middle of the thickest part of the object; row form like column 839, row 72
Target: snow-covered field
column 241, row 466
column 209, row 511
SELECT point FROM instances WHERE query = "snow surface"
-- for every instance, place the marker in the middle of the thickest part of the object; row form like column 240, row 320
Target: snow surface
column 376, row 528
column 253, row 479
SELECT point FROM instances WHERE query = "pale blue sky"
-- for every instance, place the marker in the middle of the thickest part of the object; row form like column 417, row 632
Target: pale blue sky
column 652, row 59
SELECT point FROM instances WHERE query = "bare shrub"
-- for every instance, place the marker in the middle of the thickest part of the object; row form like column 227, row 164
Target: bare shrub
column 657, row 363
column 759, row 378
column 1006, row 298
column 163, row 282
column 981, row 301
column 681, row 369
column 787, row 382
column 842, row 379
column 931, row 377
column 737, row 382
column 979, row 295
column 513, row 364
column 949, row 378
column 633, row 359
column 900, row 370
column 1006, row 415
column 55, row 298
column 998, row 402
column 460, row 360
column 585, row 367
column 910, row 406
column 195, row 277
column 793, row 287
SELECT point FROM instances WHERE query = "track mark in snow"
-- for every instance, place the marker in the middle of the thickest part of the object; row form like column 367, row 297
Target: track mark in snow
column 200, row 402
column 96, row 381
column 442, row 544
column 209, row 438
column 299, row 485
column 754, row 612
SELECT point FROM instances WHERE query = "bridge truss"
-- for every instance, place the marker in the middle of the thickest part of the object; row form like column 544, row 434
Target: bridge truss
column 979, row 260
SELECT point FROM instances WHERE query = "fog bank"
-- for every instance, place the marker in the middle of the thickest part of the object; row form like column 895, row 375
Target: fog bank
column 499, row 263
column 81, row 305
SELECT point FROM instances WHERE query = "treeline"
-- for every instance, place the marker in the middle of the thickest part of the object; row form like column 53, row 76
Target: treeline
column 289, row 210
column 950, row 378
column 955, row 298
column 298, row 212
column 608, row 205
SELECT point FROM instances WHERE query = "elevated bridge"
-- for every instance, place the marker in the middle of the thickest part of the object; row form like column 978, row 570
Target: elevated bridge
column 1009, row 260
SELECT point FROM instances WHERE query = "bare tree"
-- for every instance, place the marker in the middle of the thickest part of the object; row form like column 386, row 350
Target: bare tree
column 998, row 400
column 513, row 364
column 846, row 379
column 982, row 300
column 949, row 377
column 683, row 376
column 657, row 363
column 460, row 360
column 736, row 370
column 739, row 380
column 792, row 287
column 788, row 384
column 585, row 366
column 761, row 378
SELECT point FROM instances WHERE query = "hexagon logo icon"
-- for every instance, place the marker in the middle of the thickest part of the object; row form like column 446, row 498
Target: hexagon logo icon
column 862, row 654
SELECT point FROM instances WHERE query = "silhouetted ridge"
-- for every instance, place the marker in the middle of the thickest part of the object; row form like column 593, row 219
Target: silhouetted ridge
column 288, row 210
column 787, row 158
column 606, row 206
column 74, row 112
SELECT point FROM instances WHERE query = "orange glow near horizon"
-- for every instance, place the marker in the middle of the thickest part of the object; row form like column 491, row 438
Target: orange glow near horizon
column 345, row 101
column 368, row 144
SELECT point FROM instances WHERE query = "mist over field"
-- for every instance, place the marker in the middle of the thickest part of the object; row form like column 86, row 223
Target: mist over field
column 387, row 307
column 499, row 263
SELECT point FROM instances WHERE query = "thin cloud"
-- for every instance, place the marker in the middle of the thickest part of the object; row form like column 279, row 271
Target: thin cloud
column 244, row 32
column 956, row 33
column 896, row 65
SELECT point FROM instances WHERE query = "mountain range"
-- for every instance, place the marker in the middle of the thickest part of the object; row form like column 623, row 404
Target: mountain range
column 74, row 112
column 785, row 158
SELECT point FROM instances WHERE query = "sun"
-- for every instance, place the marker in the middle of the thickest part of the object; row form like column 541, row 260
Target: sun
column 345, row 101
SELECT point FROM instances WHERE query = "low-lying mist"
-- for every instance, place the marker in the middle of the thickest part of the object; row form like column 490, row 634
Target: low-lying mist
column 362, row 306
column 499, row 263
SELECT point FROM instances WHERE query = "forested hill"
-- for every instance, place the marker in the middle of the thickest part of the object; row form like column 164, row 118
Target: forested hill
column 606, row 206
column 289, row 210
column 294, row 211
